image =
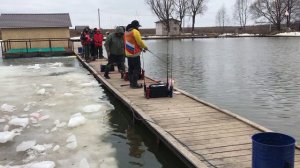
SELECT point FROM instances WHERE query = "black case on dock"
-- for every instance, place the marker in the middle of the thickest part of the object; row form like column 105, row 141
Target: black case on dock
column 158, row 90
column 102, row 68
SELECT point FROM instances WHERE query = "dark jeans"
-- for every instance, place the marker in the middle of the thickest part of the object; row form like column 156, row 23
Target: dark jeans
column 134, row 70
column 93, row 50
column 99, row 52
column 115, row 59
column 86, row 52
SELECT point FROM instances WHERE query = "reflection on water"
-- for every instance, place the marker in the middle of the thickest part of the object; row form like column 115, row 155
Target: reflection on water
column 136, row 146
column 258, row 78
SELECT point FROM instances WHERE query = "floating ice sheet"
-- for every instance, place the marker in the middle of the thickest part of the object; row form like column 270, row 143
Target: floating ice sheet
column 72, row 142
column 35, row 66
column 8, row 108
column 23, row 122
column 76, row 120
column 7, row 136
column 43, row 164
column 84, row 163
column 25, row 145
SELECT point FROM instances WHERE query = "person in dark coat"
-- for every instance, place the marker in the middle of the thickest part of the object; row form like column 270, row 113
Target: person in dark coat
column 114, row 45
column 85, row 41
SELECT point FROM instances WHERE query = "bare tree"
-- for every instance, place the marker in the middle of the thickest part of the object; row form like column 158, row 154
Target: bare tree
column 241, row 11
column 292, row 8
column 181, row 8
column 222, row 17
column 274, row 11
column 196, row 7
column 163, row 10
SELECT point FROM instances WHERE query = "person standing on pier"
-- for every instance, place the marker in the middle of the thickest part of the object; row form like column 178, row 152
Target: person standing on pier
column 114, row 45
column 92, row 44
column 98, row 39
column 85, row 41
column 134, row 45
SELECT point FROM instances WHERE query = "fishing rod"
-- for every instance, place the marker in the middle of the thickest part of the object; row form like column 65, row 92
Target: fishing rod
column 155, row 55
column 160, row 89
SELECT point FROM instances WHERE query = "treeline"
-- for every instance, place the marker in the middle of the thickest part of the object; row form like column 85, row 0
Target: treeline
column 204, row 31
column 275, row 12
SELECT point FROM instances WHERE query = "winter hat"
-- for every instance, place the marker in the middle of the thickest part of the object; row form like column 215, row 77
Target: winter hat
column 119, row 29
column 135, row 23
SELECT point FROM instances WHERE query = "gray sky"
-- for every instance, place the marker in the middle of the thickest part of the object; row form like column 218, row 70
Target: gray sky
column 112, row 12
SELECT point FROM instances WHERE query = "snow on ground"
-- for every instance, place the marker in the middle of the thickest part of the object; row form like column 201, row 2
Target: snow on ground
column 52, row 115
column 289, row 34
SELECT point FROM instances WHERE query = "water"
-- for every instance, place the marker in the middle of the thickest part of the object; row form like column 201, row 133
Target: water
column 55, row 89
column 257, row 78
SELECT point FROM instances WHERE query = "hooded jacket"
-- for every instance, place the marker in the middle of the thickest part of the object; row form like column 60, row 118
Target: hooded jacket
column 114, row 44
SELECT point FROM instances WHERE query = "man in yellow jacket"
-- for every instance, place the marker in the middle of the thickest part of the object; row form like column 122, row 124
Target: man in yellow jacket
column 134, row 45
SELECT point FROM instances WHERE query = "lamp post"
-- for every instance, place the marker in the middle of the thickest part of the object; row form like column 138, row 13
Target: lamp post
column 99, row 17
column 287, row 18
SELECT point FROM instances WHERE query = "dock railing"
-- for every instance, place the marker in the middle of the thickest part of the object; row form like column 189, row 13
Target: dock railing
column 7, row 45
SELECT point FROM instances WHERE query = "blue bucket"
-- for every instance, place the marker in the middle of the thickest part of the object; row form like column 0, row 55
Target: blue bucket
column 273, row 150
column 80, row 50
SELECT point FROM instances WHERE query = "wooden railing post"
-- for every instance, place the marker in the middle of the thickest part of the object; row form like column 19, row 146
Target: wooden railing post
column 50, row 45
column 1, row 47
column 26, row 47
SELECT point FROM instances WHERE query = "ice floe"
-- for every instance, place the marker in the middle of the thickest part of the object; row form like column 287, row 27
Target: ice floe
column 8, row 108
column 68, row 94
column 7, row 136
column 41, row 91
column 25, row 145
column 6, row 128
column 42, row 148
column 59, row 124
column 84, row 163
column 56, row 147
column 76, row 120
column 56, row 64
column 43, row 164
column 46, row 85
column 23, row 122
column 35, row 66
column 90, row 84
column 92, row 108
column 72, row 142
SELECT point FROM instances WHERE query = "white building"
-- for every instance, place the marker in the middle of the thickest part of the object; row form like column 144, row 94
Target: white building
column 161, row 29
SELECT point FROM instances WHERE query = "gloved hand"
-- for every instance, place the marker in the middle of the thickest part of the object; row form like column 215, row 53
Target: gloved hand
column 145, row 49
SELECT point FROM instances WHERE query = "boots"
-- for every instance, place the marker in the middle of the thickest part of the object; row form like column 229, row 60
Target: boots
column 133, row 82
column 107, row 71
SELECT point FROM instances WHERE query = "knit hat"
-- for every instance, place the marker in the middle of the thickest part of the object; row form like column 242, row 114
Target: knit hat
column 135, row 23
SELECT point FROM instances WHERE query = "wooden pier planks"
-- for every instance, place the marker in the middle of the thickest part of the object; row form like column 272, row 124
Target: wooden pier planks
column 202, row 133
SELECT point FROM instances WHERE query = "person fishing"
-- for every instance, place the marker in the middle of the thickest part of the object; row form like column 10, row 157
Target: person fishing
column 114, row 45
column 134, row 45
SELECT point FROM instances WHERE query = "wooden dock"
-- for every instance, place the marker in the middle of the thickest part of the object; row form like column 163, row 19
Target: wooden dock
column 200, row 134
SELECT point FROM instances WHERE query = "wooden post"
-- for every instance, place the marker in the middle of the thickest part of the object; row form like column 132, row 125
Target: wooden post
column 50, row 45
column 29, row 43
column 5, row 49
column 1, row 47
column 26, row 47
column 9, row 44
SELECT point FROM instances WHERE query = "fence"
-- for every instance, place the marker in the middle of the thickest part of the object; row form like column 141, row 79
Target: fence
column 28, row 44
